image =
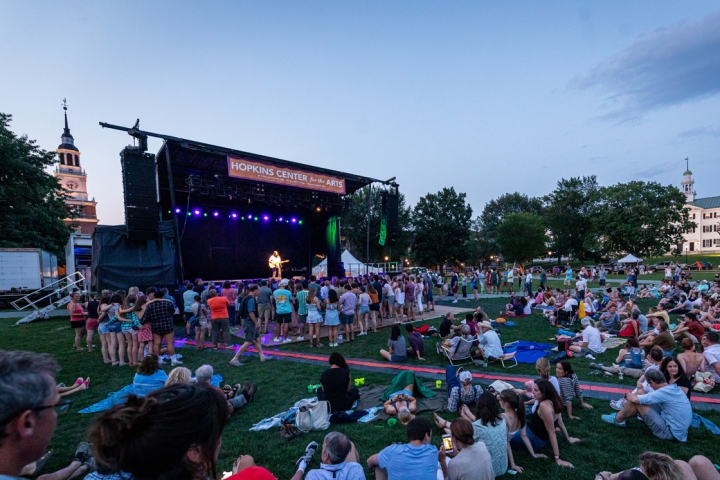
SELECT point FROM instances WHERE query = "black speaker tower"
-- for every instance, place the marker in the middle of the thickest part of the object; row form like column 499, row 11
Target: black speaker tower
column 390, row 213
column 140, row 191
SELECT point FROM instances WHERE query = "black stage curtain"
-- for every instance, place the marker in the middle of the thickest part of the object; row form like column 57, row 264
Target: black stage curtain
column 119, row 263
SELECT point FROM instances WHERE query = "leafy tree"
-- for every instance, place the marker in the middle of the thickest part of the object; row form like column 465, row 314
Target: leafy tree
column 33, row 200
column 354, row 226
column 477, row 248
column 496, row 210
column 442, row 224
column 645, row 219
column 568, row 214
column 521, row 237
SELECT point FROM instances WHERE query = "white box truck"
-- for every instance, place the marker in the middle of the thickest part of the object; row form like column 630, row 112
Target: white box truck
column 26, row 269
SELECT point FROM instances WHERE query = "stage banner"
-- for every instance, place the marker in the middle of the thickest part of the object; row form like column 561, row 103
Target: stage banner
column 262, row 172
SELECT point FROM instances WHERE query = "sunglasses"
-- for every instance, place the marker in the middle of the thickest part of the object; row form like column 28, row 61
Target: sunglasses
column 60, row 408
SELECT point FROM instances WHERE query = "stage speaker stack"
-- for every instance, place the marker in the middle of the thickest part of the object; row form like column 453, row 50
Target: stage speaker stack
column 140, row 192
column 390, row 217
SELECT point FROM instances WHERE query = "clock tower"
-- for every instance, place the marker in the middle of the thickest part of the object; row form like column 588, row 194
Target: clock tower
column 72, row 178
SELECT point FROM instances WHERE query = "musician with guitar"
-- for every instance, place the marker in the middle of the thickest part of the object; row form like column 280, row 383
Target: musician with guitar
column 275, row 264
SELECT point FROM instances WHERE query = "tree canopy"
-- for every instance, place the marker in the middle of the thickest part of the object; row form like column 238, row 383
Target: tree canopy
column 521, row 237
column 354, row 226
column 496, row 210
column 441, row 222
column 33, row 200
column 645, row 219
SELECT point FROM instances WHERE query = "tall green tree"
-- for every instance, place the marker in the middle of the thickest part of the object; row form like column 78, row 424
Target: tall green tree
column 441, row 223
column 477, row 247
column 354, row 226
column 33, row 200
column 496, row 210
column 521, row 237
column 569, row 211
column 642, row 218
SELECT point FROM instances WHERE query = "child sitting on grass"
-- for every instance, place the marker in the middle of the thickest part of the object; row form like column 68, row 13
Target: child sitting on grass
column 569, row 387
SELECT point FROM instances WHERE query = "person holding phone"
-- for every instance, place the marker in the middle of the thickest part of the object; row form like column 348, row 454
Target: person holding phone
column 471, row 460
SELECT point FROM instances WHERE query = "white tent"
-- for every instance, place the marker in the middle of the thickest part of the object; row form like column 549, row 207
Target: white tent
column 630, row 259
column 353, row 266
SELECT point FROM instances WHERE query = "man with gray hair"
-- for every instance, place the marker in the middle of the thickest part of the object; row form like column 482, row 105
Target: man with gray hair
column 339, row 460
column 591, row 343
column 203, row 376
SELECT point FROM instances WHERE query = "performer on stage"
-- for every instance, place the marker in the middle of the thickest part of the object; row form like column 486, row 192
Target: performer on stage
column 275, row 263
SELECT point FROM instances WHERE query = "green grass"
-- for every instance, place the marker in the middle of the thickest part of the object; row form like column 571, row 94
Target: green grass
column 282, row 383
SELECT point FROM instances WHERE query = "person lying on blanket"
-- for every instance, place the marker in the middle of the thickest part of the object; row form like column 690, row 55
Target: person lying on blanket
column 402, row 404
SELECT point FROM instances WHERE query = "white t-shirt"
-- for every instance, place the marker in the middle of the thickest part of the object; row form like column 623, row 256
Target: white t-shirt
column 712, row 356
column 569, row 303
column 591, row 335
column 580, row 285
column 491, row 344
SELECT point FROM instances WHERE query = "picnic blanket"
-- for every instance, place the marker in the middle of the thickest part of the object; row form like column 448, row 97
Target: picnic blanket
column 119, row 397
column 529, row 352
column 402, row 380
column 613, row 342
column 371, row 396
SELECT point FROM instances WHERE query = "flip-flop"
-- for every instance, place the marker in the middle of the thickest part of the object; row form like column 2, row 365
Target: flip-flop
column 79, row 381
column 40, row 462
column 87, row 383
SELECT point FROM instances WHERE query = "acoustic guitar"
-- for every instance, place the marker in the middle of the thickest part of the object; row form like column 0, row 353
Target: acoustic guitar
column 277, row 264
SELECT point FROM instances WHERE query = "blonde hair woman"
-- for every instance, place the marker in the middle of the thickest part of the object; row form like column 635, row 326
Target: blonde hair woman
column 178, row 375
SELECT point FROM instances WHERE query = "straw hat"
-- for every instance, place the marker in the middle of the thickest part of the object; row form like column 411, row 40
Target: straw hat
column 485, row 324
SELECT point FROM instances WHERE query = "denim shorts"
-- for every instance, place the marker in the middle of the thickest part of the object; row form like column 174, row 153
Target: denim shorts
column 347, row 319
column 364, row 309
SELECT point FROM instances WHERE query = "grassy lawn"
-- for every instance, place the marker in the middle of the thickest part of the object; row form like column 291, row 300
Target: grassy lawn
column 282, row 383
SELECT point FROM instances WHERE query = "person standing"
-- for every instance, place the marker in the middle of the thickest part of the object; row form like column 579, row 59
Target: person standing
column 188, row 302
column 220, row 318
column 463, row 283
column 347, row 302
column 92, row 323
column 454, row 286
column 275, row 263
column 302, row 309
column 264, row 305
column 250, row 324
column 229, row 292
column 159, row 313
column 283, row 311
column 77, row 319
column 410, row 298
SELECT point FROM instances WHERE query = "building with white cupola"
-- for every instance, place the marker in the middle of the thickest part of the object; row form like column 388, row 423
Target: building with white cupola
column 72, row 177
column 705, row 212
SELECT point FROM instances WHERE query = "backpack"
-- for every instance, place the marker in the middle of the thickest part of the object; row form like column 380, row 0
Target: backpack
column 243, row 310
column 313, row 415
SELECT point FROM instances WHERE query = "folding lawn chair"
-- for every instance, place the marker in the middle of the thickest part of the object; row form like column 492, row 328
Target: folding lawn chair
column 459, row 353
column 567, row 318
column 510, row 354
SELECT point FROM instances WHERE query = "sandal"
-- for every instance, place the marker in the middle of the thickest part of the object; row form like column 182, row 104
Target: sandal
column 235, row 390
column 227, row 391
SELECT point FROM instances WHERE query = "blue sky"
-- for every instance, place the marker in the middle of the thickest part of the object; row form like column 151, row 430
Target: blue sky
column 489, row 97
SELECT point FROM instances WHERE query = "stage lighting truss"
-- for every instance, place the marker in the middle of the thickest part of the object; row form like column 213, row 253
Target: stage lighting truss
column 263, row 193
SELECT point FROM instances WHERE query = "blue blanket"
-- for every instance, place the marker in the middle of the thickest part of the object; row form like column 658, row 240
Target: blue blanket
column 119, row 397
column 529, row 352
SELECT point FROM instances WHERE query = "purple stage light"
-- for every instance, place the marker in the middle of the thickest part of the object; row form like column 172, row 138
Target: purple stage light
column 215, row 214
column 280, row 219
column 234, row 215
column 177, row 210
column 197, row 212
column 249, row 217
column 293, row 220
column 266, row 218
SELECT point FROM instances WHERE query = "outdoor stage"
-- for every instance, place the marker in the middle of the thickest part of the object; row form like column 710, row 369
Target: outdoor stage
column 229, row 210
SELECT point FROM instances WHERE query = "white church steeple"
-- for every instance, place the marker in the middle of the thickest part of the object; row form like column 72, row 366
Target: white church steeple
column 688, row 183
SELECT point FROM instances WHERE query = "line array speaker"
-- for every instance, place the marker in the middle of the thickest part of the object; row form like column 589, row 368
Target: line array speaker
column 140, row 193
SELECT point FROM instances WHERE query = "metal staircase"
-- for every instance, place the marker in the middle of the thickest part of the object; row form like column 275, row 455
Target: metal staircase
column 59, row 295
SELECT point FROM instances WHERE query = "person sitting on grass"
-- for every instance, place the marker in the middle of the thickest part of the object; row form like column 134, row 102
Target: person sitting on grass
column 674, row 373
column 416, row 341
column 489, row 428
column 471, row 459
column 337, row 385
column 665, row 410
column 489, row 346
column 514, row 415
column 691, row 328
column 658, row 466
column 339, row 459
column 591, row 344
column 690, row 360
column 569, row 387
column 610, row 320
column 417, row 459
column 664, row 340
column 397, row 351
column 446, row 326
column 179, row 375
column 461, row 391
column 631, row 326
column 149, row 376
column 711, row 352
column 630, row 356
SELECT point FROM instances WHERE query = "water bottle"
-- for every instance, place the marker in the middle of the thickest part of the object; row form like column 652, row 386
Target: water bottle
column 620, row 375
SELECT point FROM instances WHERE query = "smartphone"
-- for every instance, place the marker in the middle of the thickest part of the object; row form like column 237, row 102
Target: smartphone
column 447, row 441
